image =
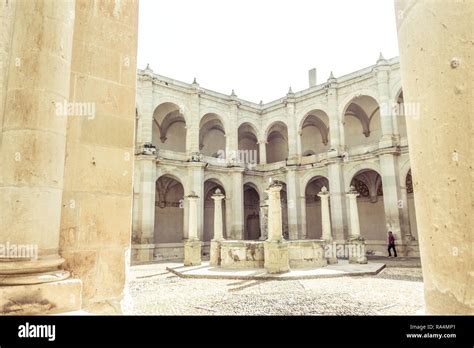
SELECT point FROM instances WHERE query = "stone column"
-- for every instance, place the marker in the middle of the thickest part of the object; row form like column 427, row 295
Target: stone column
column 382, row 71
column 325, row 217
column 218, row 229
column 192, row 245
column 146, row 199
column 145, row 120
column 262, row 151
column 391, row 194
column 435, row 40
column 356, row 243
column 338, row 201
column 326, row 224
column 275, row 247
column 33, row 152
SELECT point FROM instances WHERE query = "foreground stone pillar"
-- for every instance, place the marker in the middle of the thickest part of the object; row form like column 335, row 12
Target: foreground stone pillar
column 355, row 243
column 218, row 229
column 326, row 223
column 435, row 40
column 275, row 247
column 32, row 156
column 192, row 245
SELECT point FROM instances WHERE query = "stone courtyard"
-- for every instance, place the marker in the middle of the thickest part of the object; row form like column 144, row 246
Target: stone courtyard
column 396, row 290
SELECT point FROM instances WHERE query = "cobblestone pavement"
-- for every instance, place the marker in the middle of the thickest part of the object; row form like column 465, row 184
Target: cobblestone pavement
column 397, row 290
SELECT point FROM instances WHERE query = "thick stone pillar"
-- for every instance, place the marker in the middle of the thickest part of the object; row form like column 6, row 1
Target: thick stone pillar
column 145, row 113
column 262, row 151
column 32, row 158
column 275, row 247
column 382, row 71
column 435, row 40
column 391, row 194
column 195, row 183
column 192, row 245
column 146, row 168
column 356, row 243
column 237, row 226
column 218, row 229
column 338, row 201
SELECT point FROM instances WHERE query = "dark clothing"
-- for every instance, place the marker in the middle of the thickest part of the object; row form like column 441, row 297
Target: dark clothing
column 391, row 245
column 391, row 239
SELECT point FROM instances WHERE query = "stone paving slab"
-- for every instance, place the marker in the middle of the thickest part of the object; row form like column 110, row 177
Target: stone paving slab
column 341, row 269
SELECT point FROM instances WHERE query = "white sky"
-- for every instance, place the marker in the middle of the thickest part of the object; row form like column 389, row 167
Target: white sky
column 261, row 47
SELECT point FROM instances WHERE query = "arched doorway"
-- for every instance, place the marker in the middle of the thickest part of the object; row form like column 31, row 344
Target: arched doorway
column 169, row 210
column 169, row 128
column 248, row 143
column 277, row 142
column 210, row 187
column 251, row 213
column 370, row 205
column 315, row 133
column 313, row 207
column 362, row 122
column 212, row 136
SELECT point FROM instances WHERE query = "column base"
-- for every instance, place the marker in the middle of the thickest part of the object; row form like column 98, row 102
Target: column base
column 46, row 298
column 357, row 250
column 192, row 252
column 215, row 258
column 276, row 256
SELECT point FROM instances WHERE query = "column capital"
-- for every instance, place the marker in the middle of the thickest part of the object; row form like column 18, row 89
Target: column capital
column 218, row 195
column 192, row 196
column 352, row 193
column 324, row 193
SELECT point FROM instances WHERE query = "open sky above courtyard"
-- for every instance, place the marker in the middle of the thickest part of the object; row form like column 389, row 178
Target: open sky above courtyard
column 260, row 48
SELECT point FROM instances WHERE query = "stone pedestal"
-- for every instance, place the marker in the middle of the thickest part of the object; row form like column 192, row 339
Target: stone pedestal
column 215, row 258
column 192, row 252
column 275, row 247
column 276, row 256
column 356, row 248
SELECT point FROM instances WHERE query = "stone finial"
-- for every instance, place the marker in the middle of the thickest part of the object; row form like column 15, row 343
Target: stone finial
column 290, row 91
column 331, row 76
column 218, row 193
column 381, row 60
column 195, row 82
column 148, row 68
column 233, row 95
column 193, row 194
column 352, row 190
column 261, row 103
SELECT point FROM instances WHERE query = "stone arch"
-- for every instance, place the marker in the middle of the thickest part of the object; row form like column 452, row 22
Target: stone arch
column 314, row 132
column 361, row 115
column 169, row 127
column 169, row 210
column 276, row 136
column 368, row 183
column 313, row 206
column 247, row 138
column 212, row 135
column 353, row 171
column 251, row 212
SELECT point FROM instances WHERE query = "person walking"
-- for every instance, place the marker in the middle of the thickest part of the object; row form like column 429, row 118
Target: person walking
column 391, row 244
